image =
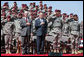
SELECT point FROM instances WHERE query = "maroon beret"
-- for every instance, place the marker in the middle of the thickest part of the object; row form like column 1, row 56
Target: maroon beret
column 9, row 11
column 64, row 14
column 50, row 7
column 40, row 1
column 8, row 16
column 30, row 3
column 59, row 10
column 3, row 14
column 56, row 10
column 3, row 10
column 44, row 4
column 71, row 13
column 33, row 3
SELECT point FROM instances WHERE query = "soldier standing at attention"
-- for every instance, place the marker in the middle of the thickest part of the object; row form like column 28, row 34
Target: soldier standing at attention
column 8, row 29
column 57, row 25
column 81, row 29
column 74, row 31
column 18, row 30
column 65, row 29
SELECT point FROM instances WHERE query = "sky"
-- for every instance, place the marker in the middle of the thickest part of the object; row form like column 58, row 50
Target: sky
column 75, row 7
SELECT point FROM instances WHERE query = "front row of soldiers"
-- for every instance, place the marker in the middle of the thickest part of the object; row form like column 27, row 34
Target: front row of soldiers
column 63, row 28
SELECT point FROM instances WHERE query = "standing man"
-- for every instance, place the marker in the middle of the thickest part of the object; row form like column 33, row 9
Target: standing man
column 18, row 30
column 26, row 31
column 57, row 27
column 8, row 32
column 41, row 31
column 81, row 29
column 74, row 31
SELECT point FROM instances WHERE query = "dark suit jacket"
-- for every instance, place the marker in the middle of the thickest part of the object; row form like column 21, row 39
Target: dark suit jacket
column 26, row 30
column 40, row 29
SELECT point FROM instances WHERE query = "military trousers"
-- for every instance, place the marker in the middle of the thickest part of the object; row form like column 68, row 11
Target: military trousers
column 8, row 40
column 18, row 37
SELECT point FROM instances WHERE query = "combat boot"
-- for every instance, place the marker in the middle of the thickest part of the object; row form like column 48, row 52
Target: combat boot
column 7, row 51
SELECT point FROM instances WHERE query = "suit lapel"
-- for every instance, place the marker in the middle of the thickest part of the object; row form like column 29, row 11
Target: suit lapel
column 39, row 21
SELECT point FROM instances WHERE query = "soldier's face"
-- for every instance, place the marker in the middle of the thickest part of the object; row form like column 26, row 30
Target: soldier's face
column 8, row 19
column 57, row 13
column 75, row 18
column 3, row 17
column 64, row 15
column 19, row 16
column 71, row 16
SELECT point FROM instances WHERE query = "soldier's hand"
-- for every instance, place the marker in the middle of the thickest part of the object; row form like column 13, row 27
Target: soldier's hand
column 28, row 24
column 42, row 23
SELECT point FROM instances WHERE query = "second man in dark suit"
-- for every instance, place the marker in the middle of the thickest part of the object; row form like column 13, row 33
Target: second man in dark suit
column 41, row 31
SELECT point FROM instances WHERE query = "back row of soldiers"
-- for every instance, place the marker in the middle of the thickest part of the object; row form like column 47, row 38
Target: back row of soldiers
column 62, row 27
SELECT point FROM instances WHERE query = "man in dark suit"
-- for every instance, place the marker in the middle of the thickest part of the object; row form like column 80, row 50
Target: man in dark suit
column 26, row 32
column 41, row 31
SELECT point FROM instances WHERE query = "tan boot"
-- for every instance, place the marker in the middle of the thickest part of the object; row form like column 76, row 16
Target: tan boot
column 17, row 51
column 57, row 51
column 54, row 50
column 72, row 51
column 6, row 51
column 64, row 51
column 9, row 51
column 76, row 52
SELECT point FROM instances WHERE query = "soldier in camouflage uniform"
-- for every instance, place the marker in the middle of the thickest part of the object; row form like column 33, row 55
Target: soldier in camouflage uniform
column 18, row 30
column 65, row 29
column 56, row 31
column 74, row 31
column 7, row 30
column 81, row 29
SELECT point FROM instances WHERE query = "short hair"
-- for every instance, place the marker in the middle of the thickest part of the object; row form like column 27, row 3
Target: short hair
column 41, row 13
column 26, row 12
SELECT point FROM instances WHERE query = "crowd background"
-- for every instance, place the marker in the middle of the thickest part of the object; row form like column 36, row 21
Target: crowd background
column 65, row 6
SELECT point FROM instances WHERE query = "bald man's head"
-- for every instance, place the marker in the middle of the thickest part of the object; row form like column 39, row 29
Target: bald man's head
column 41, row 15
column 26, row 13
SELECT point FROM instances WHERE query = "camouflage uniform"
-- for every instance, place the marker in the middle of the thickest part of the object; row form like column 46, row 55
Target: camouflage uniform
column 74, row 34
column 8, row 31
column 65, row 30
column 17, row 30
column 56, row 31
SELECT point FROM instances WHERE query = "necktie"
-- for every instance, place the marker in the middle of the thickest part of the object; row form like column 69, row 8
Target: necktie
column 26, row 20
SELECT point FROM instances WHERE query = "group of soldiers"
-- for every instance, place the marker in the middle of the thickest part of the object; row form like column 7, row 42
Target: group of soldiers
column 62, row 27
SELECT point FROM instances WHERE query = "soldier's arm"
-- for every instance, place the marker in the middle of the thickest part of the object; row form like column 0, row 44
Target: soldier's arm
column 49, row 24
column 61, row 23
column 51, row 17
column 13, row 28
column 4, row 21
column 79, row 27
column 70, row 28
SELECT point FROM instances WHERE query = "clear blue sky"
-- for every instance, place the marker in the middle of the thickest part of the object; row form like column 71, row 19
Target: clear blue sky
column 68, row 7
